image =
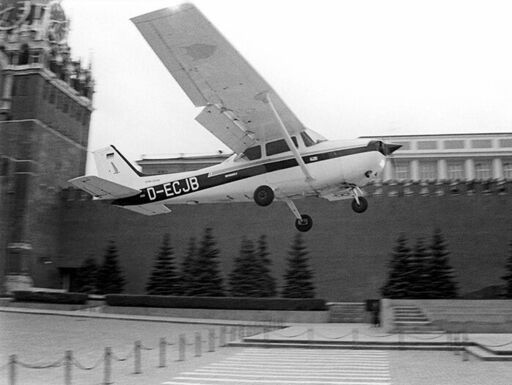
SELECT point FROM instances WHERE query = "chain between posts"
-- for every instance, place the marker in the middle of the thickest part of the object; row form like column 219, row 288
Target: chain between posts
column 68, row 361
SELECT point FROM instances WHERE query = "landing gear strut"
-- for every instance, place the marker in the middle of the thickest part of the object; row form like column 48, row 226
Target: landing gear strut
column 303, row 222
column 359, row 204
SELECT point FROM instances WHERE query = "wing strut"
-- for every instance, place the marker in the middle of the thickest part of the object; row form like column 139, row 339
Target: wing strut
column 288, row 140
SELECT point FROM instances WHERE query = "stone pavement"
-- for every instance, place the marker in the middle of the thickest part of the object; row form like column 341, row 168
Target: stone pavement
column 256, row 365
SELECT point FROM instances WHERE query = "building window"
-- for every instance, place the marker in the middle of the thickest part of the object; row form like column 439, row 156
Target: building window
column 35, row 57
column 453, row 144
column 4, row 166
column 46, row 90
column 402, row 171
column 455, row 171
column 505, row 142
column 428, row 170
column 427, row 145
column 481, row 143
column 507, row 169
column 483, row 170
column 52, row 95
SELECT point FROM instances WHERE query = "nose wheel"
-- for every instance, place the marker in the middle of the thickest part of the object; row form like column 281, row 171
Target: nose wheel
column 303, row 222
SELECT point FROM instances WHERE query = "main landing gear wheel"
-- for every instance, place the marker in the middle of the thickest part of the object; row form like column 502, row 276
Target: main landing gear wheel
column 361, row 206
column 304, row 224
column 263, row 195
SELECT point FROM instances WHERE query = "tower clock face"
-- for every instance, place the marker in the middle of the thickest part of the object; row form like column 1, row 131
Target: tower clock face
column 13, row 13
column 58, row 27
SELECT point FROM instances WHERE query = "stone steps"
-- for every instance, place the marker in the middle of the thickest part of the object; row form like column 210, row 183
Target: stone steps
column 409, row 318
column 485, row 354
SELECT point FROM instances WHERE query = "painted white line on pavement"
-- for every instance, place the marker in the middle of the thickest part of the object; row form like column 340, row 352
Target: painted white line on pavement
column 295, row 376
column 297, row 371
column 330, row 351
column 294, row 365
column 238, row 380
column 314, row 359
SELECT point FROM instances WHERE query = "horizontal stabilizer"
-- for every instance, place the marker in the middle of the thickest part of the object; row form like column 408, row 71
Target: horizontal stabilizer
column 101, row 188
column 149, row 209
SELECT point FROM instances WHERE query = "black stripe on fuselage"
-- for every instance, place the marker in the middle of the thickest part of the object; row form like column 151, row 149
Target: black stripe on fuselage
column 201, row 182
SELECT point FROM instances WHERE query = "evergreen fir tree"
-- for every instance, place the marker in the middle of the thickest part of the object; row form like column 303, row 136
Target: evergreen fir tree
column 109, row 279
column 441, row 273
column 243, row 279
column 508, row 276
column 298, row 277
column 186, row 281
column 163, row 278
column 207, row 278
column 266, row 281
column 398, row 283
column 418, row 277
column 85, row 281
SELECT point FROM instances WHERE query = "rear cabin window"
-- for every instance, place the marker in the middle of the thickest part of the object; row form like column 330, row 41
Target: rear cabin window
column 253, row 153
column 279, row 146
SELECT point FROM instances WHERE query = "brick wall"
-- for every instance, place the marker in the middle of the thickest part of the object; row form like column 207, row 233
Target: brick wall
column 40, row 163
column 349, row 252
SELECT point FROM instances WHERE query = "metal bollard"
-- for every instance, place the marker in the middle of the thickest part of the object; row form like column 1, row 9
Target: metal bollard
column 456, row 344
column 107, row 368
column 211, row 340
column 12, row 369
column 137, row 368
column 181, row 347
column 162, row 353
column 68, row 361
column 198, row 344
column 464, row 345
column 355, row 335
column 222, row 337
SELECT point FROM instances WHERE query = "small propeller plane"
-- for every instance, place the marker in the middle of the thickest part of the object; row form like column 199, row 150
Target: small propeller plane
column 274, row 156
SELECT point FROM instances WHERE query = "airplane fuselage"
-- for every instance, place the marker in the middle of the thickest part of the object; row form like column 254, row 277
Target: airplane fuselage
column 333, row 165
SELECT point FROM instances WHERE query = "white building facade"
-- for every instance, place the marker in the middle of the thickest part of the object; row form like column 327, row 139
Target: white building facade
column 452, row 157
column 446, row 157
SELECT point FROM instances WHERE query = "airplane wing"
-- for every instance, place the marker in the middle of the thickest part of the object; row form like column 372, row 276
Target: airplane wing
column 215, row 76
column 101, row 188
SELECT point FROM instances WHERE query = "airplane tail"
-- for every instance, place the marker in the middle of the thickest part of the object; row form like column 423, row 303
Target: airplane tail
column 117, row 178
column 114, row 167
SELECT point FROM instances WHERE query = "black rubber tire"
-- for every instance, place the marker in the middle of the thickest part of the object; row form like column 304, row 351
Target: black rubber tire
column 361, row 207
column 263, row 196
column 305, row 224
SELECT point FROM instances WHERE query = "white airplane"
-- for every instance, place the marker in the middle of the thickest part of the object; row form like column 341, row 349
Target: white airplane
column 275, row 156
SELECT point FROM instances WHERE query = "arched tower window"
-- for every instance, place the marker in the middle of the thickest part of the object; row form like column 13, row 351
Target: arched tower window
column 24, row 55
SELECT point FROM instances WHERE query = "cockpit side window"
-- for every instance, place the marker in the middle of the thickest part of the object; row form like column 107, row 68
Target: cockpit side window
column 253, row 153
column 279, row 146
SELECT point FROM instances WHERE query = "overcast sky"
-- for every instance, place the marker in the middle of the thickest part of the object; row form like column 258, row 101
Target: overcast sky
column 346, row 68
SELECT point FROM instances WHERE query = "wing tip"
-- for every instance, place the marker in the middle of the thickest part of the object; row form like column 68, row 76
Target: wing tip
column 163, row 12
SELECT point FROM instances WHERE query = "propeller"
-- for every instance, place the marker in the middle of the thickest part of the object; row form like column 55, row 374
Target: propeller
column 388, row 148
